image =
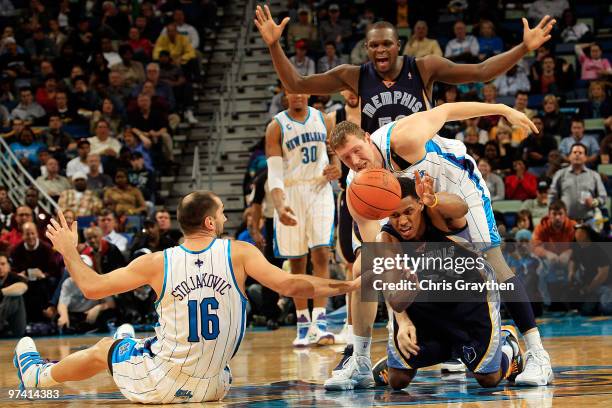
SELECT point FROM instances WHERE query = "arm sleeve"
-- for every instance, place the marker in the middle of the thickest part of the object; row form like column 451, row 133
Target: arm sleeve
column 260, row 187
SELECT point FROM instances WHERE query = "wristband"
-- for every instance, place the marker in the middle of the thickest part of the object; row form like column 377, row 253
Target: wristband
column 435, row 202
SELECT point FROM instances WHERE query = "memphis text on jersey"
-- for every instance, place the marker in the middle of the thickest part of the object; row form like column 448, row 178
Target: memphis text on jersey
column 206, row 280
column 391, row 98
column 305, row 138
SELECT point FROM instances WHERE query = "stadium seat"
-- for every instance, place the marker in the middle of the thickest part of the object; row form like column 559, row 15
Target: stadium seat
column 129, row 237
column 133, row 224
column 506, row 100
column 588, row 21
column 594, row 124
column 606, row 45
column 507, row 206
column 564, row 48
column 535, row 101
column 605, row 169
column 85, row 221
column 586, row 10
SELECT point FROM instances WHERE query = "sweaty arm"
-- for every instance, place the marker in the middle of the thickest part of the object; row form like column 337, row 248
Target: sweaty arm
column 410, row 134
column 449, row 213
column 145, row 270
column 255, row 265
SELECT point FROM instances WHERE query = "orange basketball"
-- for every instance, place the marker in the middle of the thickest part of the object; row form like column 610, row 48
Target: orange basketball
column 375, row 193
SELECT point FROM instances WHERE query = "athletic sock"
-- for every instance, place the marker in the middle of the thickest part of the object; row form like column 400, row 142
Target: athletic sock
column 45, row 379
column 350, row 338
column 361, row 346
column 518, row 305
column 319, row 317
column 533, row 340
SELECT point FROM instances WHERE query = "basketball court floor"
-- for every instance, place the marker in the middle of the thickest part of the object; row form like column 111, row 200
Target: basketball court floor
column 268, row 372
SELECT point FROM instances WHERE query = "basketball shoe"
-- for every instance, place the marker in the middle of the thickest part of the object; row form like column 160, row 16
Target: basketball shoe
column 538, row 370
column 356, row 373
column 381, row 372
column 318, row 333
column 303, row 327
column 125, row 331
column 28, row 363
column 346, row 354
column 453, row 366
column 517, row 363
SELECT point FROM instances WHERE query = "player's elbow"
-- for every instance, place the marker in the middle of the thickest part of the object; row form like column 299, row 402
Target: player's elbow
column 92, row 293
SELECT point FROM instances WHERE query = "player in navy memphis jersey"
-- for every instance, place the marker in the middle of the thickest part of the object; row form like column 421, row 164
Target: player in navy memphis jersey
column 200, row 303
column 390, row 96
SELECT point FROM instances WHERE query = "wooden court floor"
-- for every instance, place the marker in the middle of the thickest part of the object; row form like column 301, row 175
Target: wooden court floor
column 268, row 372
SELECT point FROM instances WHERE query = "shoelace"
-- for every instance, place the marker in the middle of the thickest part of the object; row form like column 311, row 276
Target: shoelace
column 532, row 355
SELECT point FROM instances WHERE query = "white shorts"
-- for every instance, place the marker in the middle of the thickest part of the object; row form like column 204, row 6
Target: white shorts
column 314, row 209
column 143, row 377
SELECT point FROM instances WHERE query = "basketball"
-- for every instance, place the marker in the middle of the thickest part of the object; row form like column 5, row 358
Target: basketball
column 375, row 193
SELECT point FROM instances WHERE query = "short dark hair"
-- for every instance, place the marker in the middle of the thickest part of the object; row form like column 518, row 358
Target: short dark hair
column 577, row 119
column 522, row 93
column 557, row 205
column 332, row 43
column 408, row 187
column 123, row 48
column 106, row 212
column 194, row 208
column 586, row 151
column 25, row 89
column 382, row 25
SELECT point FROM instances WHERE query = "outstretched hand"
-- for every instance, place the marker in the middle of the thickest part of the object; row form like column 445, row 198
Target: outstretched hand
column 63, row 237
column 516, row 118
column 269, row 30
column 425, row 188
column 533, row 38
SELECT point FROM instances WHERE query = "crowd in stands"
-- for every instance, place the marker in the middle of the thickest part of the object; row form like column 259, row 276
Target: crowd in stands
column 564, row 87
column 91, row 94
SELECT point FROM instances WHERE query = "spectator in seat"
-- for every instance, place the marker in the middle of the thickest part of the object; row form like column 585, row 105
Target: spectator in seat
column 6, row 215
column 124, row 198
column 178, row 46
column 15, row 59
column 17, row 126
column 151, row 239
column 142, row 46
column 79, row 163
column 14, row 237
column 524, row 221
column 160, row 88
column 419, row 45
column 76, row 313
column 606, row 149
column 53, row 183
column 304, row 64
column 109, row 113
column 26, row 149
column 470, row 140
column 579, row 187
column 330, row 59
column 577, row 136
column 526, row 266
column 571, row 30
column 107, row 223
column 152, row 25
column 303, row 29
column 66, row 112
column 589, row 273
column 540, row 8
column 59, row 143
column 489, row 92
column 108, row 51
column 142, row 178
column 463, row 48
column 172, row 74
column 12, row 305
column 594, row 66
column 83, row 98
column 521, row 100
column 489, row 43
column 522, row 184
column 495, row 184
column 552, row 78
column 45, row 95
column 555, row 162
column 482, row 136
column 103, row 143
column 106, row 256
column 40, row 216
column 117, row 91
column 80, row 200
column 28, row 110
column 599, row 105
column 507, row 152
column 57, row 37
column 513, row 82
column 132, row 71
column 538, row 206
column 535, row 148
column 35, row 260
column 96, row 180
column 139, row 143
column 554, row 121
column 184, row 28
column 162, row 217
column 334, row 30
column 146, row 123
column 40, row 46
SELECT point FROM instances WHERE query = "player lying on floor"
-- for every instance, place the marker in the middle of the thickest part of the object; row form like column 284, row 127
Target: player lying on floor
column 431, row 329
column 201, row 309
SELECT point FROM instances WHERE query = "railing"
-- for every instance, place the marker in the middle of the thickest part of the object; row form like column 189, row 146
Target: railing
column 227, row 101
column 17, row 180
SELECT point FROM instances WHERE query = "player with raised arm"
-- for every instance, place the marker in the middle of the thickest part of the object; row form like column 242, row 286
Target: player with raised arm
column 200, row 303
column 392, row 87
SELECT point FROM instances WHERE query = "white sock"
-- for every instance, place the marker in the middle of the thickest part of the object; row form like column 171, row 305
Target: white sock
column 303, row 312
column 318, row 312
column 533, row 340
column 45, row 379
column 361, row 346
column 350, row 337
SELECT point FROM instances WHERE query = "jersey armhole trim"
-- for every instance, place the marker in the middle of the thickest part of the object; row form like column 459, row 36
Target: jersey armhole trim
column 389, row 162
column 281, row 129
column 231, row 267
column 161, row 295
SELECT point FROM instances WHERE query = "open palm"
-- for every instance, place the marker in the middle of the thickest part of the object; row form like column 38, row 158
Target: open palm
column 64, row 237
column 269, row 30
column 533, row 38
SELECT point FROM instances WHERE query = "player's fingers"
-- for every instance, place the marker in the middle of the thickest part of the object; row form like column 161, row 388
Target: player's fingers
column 55, row 224
column 417, row 177
column 525, row 23
column 549, row 27
column 63, row 222
column 543, row 21
column 284, row 22
column 260, row 14
column 257, row 24
column 267, row 10
column 532, row 126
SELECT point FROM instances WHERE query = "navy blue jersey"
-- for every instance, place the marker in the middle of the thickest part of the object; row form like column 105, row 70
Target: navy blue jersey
column 384, row 103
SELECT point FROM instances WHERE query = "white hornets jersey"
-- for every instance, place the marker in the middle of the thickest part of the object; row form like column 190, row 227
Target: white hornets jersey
column 201, row 312
column 304, row 146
